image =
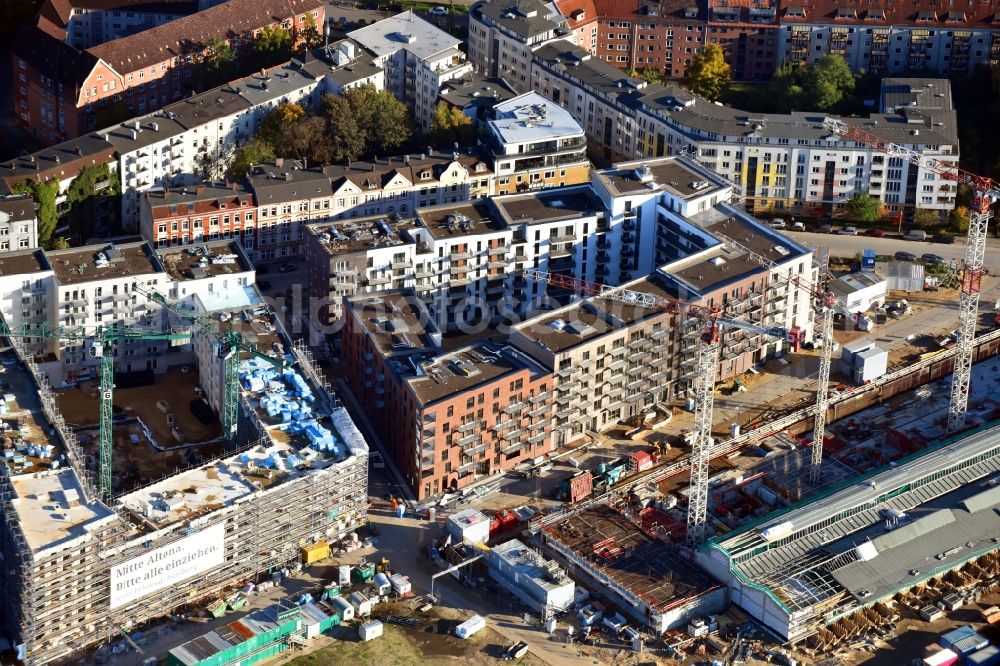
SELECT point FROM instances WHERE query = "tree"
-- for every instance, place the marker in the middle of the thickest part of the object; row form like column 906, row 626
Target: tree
column 279, row 119
column 92, row 200
column 273, row 44
column 44, row 195
column 926, row 219
column 59, row 243
column 959, row 219
column 826, row 81
column 708, row 74
column 863, row 207
column 218, row 63
column 449, row 126
column 306, row 139
column 311, row 37
column 255, row 151
column 365, row 121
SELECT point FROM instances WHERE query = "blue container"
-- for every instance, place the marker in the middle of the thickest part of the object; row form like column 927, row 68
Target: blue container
column 988, row 656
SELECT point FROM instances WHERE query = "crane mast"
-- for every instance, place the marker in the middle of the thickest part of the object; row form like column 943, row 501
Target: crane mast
column 985, row 194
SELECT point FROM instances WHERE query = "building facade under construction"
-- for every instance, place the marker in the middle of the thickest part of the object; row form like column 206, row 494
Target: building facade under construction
column 80, row 571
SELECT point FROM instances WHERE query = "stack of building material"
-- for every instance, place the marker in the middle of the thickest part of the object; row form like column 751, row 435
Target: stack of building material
column 964, row 640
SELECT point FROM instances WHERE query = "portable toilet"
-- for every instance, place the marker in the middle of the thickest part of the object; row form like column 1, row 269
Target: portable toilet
column 362, row 604
column 400, row 585
column 344, row 574
column 370, row 630
column 343, row 607
column 382, row 584
column 473, row 625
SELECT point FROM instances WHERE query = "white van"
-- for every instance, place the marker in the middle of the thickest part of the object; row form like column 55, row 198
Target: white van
column 915, row 235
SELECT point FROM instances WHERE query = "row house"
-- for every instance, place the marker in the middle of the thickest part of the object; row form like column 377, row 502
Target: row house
column 778, row 161
column 191, row 216
column 895, row 39
column 447, row 419
column 62, row 89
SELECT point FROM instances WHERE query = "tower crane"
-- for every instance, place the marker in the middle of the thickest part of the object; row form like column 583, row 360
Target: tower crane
column 704, row 380
column 102, row 341
column 986, row 193
column 229, row 344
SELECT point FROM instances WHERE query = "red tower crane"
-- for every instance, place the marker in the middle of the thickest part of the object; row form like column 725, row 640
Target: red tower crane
column 985, row 193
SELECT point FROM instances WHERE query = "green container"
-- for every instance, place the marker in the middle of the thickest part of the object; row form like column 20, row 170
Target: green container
column 364, row 574
column 217, row 608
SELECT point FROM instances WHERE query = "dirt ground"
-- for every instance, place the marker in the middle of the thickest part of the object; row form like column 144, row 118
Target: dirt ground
column 80, row 406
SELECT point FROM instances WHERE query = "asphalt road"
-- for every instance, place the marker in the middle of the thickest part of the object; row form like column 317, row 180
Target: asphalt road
column 848, row 246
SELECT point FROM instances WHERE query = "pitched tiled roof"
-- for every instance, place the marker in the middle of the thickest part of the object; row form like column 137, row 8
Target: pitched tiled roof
column 53, row 58
column 53, row 15
column 577, row 12
column 190, row 34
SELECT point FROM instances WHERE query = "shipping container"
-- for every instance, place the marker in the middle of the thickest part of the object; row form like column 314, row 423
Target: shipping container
column 370, row 630
column 315, row 552
column 964, row 640
column 400, row 585
column 362, row 604
column 470, row 627
column 988, row 656
column 382, row 584
column 343, row 607
column 945, row 657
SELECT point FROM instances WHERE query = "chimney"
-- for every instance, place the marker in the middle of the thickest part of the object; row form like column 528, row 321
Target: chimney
column 55, row 159
column 138, row 125
column 155, row 126
column 79, row 151
column 199, row 189
column 288, row 176
column 134, row 134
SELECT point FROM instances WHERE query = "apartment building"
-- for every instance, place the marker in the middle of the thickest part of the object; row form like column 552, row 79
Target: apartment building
column 417, row 57
column 344, row 65
column 748, row 33
column 186, row 216
column 503, row 33
column 61, row 88
column 778, row 161
column 447, row 418
column 27, row 295
column 535, row 144
column 895, row 39
column 18, row 223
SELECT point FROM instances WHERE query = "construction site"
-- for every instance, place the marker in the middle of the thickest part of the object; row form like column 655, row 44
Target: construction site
column 114, row 525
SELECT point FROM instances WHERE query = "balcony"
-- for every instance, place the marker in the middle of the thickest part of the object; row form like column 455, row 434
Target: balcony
column 513, row 408
column 538, row 412
column 469, row 439
column 513, row 434
column 469, row 427
column 378, row 280
column 538, row 438
column 402, row 264
column 541, row 397
column 500, row 427
column 459, row 256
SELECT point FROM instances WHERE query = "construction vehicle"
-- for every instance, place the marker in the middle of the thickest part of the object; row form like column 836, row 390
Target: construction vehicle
column 985, row 194
column 228, row 344
column 101, row 342
column 382, row 566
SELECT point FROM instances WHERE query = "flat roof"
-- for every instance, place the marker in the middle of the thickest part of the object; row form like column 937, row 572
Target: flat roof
column 473, row 89
column 719, row 265
column 645, row 566
column 51, row 508
column 464, row 369
column 362, row 233
column 526, row 562
column 21, row 262
column 564, row 203
column 531, row 117
column 568, row 327
column 527, row 18
column 194, row 262
column 856, row 282
column 396, row 320
column 671, row 174
column 460, row 219
column 407, row 31
column 81, row 264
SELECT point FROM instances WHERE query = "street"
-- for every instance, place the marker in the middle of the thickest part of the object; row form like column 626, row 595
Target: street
column 849, row 246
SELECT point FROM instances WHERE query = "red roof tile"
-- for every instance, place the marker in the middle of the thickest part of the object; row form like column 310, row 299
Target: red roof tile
column 577, row 12
column 190, row 34
column 899, row 12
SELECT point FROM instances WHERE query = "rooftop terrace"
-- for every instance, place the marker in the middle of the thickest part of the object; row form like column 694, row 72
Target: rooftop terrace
column 360, row 234
column 195, row 262
column 565, row 203
column 102, row 262
column 397, row 322
column 460, row 219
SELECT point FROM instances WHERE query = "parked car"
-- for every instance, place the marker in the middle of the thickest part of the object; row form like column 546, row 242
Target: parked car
column 438, row 11
column 915, row 235
column 777, row 223
column 947, row 239
column 875, row 233
column 263, row 285
column 930, row 258
column 287, row 267
column 848, row 231
column 798, row 226
column 824, row 229
column 905, row 256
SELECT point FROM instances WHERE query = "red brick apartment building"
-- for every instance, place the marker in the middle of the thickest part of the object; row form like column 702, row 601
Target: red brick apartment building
column 665, row 36
column 445, row 418
column 58, row 87
column 184, row 216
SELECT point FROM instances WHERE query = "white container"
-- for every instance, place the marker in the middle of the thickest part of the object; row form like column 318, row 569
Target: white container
column 382, row 584
column 400, row 585
column 344, row 607
column 470, row 627
column 369, row 630
column 469, row 526
column 344, row 573
column 362, row 604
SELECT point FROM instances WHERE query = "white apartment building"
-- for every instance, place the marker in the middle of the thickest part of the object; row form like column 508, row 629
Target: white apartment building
column 777, row 161
column 503, row 34
column 93, row 287
column 18, row 223
column 417, row 58
column 344, row 65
